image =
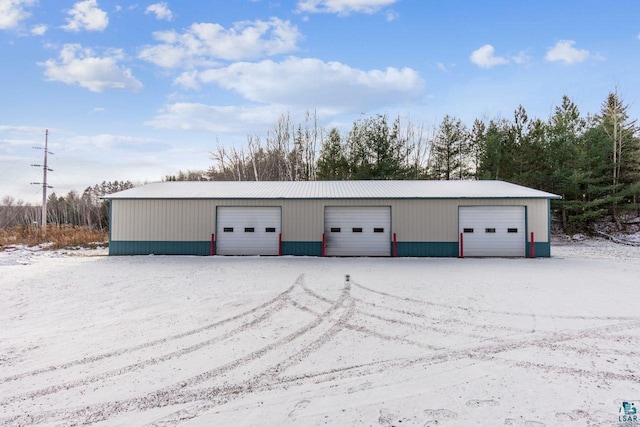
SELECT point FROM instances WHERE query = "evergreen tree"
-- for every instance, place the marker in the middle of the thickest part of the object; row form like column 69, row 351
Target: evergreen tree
column 567, row 166
column 376, row 150
column 332, row 163
column 518, row 146
column 534, row 155
column 494, row 157
column 450, row 150
column 620, row 135
column 476, row 146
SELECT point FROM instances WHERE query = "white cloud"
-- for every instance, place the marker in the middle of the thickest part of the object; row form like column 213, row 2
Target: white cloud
column 109, row 142
column 392, row 15
column 86, row 15
column 39, row 30
column 22, row 129
column 292, row 85
column 12, row 12
column 484, row 57
column 161, row 10
column 563, row 51
column 441, row 66
column 16, row 139
column 521, row 58
column 342, row 7
column 203, row 43
column 188, row 80
column 218, row 119
column 312, row 83
column 80, row 66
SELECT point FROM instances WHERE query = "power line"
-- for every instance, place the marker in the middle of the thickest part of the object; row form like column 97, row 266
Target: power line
column 45, row 169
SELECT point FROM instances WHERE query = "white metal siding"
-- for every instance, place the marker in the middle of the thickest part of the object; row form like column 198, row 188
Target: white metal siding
column 493, row 230
column 249, row 230
column 357, row 231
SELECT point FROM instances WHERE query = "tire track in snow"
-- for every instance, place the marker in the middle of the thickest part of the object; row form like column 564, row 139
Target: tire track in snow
column 268, row 378
column 590, row 351
column 391, row 338
column 126, row 350
column 304, row 308
column 410, row 325
column 422, row 316
column 482, row 353
column 630, row 339
column 143, row 364
column 316, row 295
column 565, row 370
column 473, row 353
column 345, row 301
column 419, row 327
column 213, row 396
column 282, row 300
column 177, row 393
column 366, row 331
column 506, row 313
column 438, row 329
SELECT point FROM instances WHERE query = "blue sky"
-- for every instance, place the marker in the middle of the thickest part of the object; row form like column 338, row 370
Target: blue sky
column 135, row 90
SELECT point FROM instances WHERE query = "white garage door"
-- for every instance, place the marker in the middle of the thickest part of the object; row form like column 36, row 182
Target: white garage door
column 248, row 230
column 493, row 230
column 357, row 231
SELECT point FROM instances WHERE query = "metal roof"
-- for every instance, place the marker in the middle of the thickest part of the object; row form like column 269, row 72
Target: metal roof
column 331, row 190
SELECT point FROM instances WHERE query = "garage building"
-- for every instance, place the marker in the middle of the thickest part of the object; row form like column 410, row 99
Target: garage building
column 331, row 218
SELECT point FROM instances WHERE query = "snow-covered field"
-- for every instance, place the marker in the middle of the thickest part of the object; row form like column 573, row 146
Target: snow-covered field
column 239, row 341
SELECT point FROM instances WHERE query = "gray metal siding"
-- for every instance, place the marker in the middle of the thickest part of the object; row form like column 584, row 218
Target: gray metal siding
column 162, row 220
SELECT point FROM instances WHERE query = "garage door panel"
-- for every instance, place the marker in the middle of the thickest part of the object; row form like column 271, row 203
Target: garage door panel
column 493, row 230
column 248, row 230
column 357, row 231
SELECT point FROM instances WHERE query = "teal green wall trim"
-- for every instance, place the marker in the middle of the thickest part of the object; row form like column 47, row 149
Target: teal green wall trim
column 302, row 248
column 158, row 248
column 428, row 249
column 543, row 249
column 405, row 249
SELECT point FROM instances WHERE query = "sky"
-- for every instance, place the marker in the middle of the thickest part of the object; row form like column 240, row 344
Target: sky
column 136, row 90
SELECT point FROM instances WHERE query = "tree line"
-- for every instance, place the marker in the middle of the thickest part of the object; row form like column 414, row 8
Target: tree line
column 592, row 161
column 74, row 209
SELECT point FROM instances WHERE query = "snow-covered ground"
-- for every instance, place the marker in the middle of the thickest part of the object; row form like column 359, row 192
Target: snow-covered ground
column 91, row 339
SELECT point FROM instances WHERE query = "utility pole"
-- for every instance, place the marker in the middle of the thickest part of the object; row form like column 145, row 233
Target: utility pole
column 45, row 169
